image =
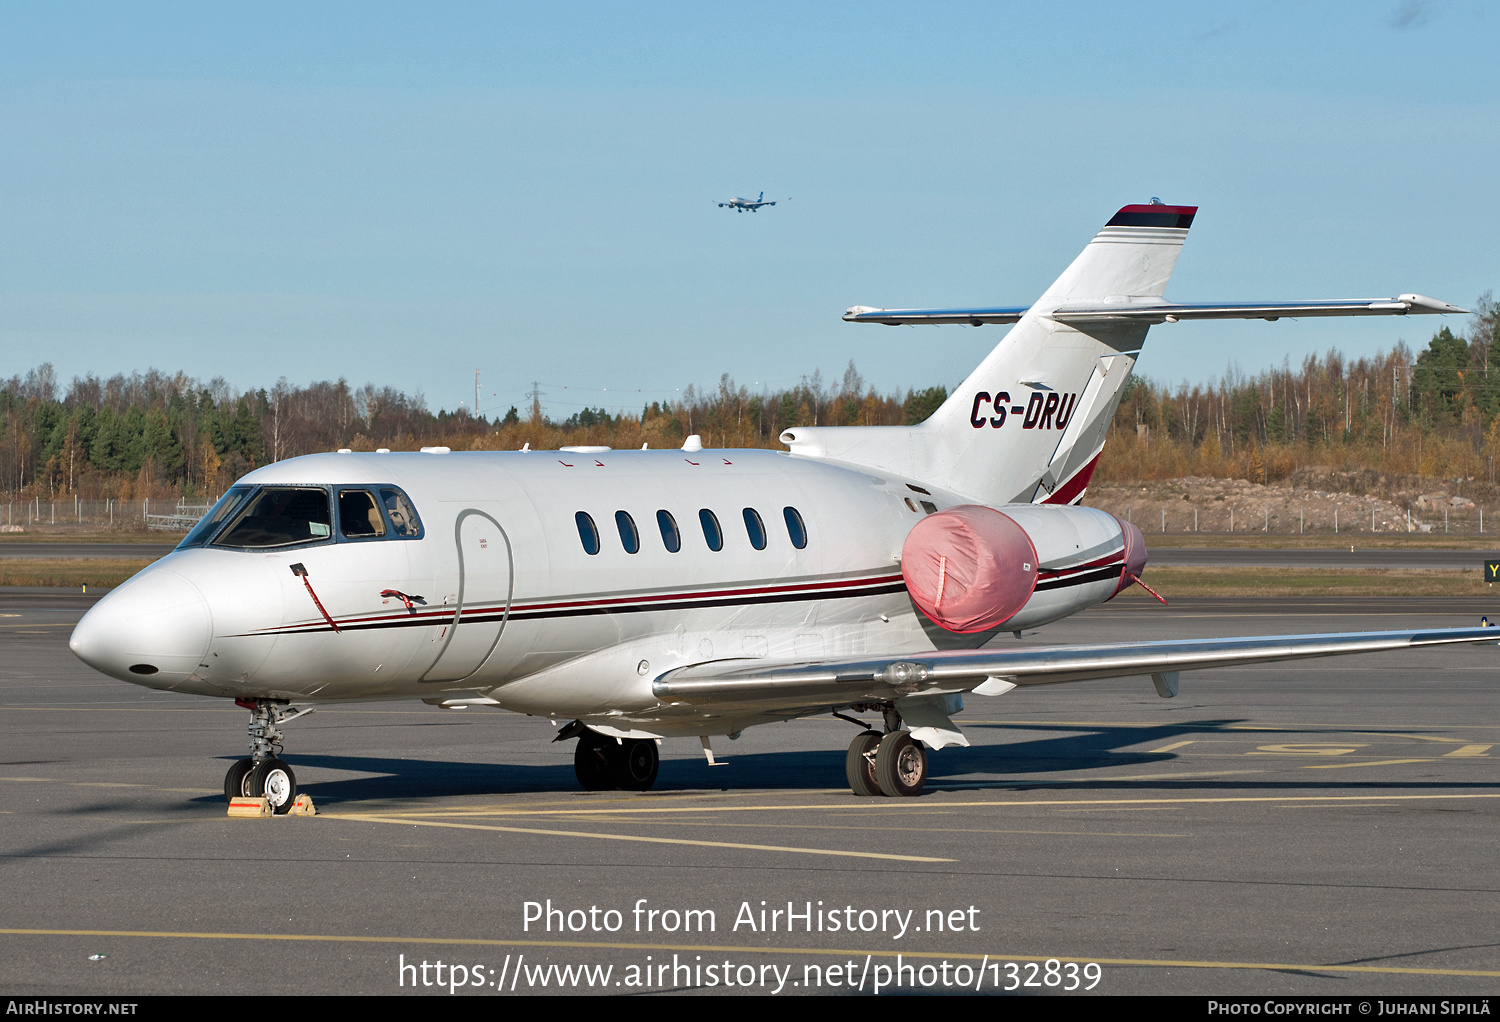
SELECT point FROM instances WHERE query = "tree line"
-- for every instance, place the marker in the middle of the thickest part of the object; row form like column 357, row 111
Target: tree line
column 157, row 435
column 1430, row 413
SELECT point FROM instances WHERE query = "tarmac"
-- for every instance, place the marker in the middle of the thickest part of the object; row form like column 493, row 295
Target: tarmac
column 1323, row 827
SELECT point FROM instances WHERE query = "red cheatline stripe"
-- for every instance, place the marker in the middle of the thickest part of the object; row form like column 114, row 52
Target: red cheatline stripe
column 438, row 615
column 1079, row 482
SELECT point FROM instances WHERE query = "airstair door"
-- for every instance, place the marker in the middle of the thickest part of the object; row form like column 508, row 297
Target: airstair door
column 482, row 589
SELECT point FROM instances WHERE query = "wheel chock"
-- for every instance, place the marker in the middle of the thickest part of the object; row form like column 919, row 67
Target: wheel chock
column 250, row 808
column 302, row 805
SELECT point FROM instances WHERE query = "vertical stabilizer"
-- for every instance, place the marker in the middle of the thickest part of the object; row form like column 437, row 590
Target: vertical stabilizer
column 1029, row 423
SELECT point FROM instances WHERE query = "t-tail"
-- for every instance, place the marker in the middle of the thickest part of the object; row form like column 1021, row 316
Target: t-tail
column 1029, row 424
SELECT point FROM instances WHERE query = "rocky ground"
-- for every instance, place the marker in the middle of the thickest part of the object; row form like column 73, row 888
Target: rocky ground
column 1218, row 505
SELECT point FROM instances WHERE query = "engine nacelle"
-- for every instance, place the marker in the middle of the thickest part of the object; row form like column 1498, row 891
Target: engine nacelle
column 973, row 568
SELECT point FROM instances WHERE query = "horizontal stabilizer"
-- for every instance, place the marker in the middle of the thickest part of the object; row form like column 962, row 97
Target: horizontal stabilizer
column 840, row 683
column 902, row 317
column 1157, row 311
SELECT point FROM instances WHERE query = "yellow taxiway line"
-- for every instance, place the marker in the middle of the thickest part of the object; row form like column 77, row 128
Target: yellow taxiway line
column 743, row 950
column 406, row 821
column 1361, row 763
column 880, row 805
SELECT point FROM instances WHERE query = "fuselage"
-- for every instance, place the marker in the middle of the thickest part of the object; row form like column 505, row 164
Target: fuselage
column 557, row 583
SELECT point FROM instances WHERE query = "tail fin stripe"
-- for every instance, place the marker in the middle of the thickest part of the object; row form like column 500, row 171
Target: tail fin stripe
column 1154, row 216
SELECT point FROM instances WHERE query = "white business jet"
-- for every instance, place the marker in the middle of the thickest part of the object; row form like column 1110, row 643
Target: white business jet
column 643, row 595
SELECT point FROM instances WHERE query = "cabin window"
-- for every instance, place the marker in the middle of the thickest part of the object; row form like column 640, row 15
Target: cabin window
column 712, row 534
column 629, row 538
column 217, row 516
column 755, row 528
column 404, row 521
column 359, row 515
column 281, row 516
column 670, row 537
column 587, row 532
column 794, row 527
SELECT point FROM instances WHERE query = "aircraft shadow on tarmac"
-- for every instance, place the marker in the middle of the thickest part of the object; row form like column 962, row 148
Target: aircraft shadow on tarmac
column 1028, row 763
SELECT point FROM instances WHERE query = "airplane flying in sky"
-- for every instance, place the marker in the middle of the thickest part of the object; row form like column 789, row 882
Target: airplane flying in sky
column 739, row 205
column 642, row 595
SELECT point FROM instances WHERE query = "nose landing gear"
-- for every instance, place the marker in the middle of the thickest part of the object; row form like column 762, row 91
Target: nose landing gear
column 263, row 774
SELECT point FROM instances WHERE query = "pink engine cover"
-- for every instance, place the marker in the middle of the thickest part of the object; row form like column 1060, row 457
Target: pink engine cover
column 1135, row 556
column 969, row 568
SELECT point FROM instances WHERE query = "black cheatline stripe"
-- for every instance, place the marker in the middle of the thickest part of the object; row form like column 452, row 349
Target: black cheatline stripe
column 1153, row 219
column 1077, row 580
column 1050, row 573
column 638, row 608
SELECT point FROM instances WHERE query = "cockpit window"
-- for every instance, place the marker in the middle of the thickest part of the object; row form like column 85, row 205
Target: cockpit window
column 281, row 516
column 404, row 521
column 359, row 515
column 217, row 516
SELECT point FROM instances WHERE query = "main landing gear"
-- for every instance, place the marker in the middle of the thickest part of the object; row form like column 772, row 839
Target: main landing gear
column 603, row 763
column 892, row 763
column 263, row 774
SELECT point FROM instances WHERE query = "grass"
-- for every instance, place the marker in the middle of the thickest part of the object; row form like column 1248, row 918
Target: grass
column 86, row 534
column 1173, row 581
column 104, row 572
column 1322, row 541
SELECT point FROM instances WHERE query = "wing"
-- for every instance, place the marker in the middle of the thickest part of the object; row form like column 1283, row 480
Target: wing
column 1155, row 311
column 732, row 683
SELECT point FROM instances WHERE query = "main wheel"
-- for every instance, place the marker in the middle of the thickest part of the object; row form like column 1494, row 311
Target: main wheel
column 900, row 765
column 274, row 781
column 858, row 766
column 593, row 760
column 636, row 769
column 236, row 781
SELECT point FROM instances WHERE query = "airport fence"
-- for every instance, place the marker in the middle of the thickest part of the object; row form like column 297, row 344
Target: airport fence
column 178, row 516
column 148, row 514
column 1163, row 517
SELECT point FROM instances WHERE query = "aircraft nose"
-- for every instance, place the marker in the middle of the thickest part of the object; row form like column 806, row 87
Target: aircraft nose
column 153, row 631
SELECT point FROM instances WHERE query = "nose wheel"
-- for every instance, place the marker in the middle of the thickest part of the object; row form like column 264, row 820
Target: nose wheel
column 263, row 774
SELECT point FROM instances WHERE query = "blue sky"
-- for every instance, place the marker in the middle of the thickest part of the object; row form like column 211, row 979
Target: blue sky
column 402, row 194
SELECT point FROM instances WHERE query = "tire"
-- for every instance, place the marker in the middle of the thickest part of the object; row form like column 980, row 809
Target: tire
column 274, row 781
column 635, row 769
column 237, row 780
column 900, row 765
column 593, row 761
column 857, row 766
